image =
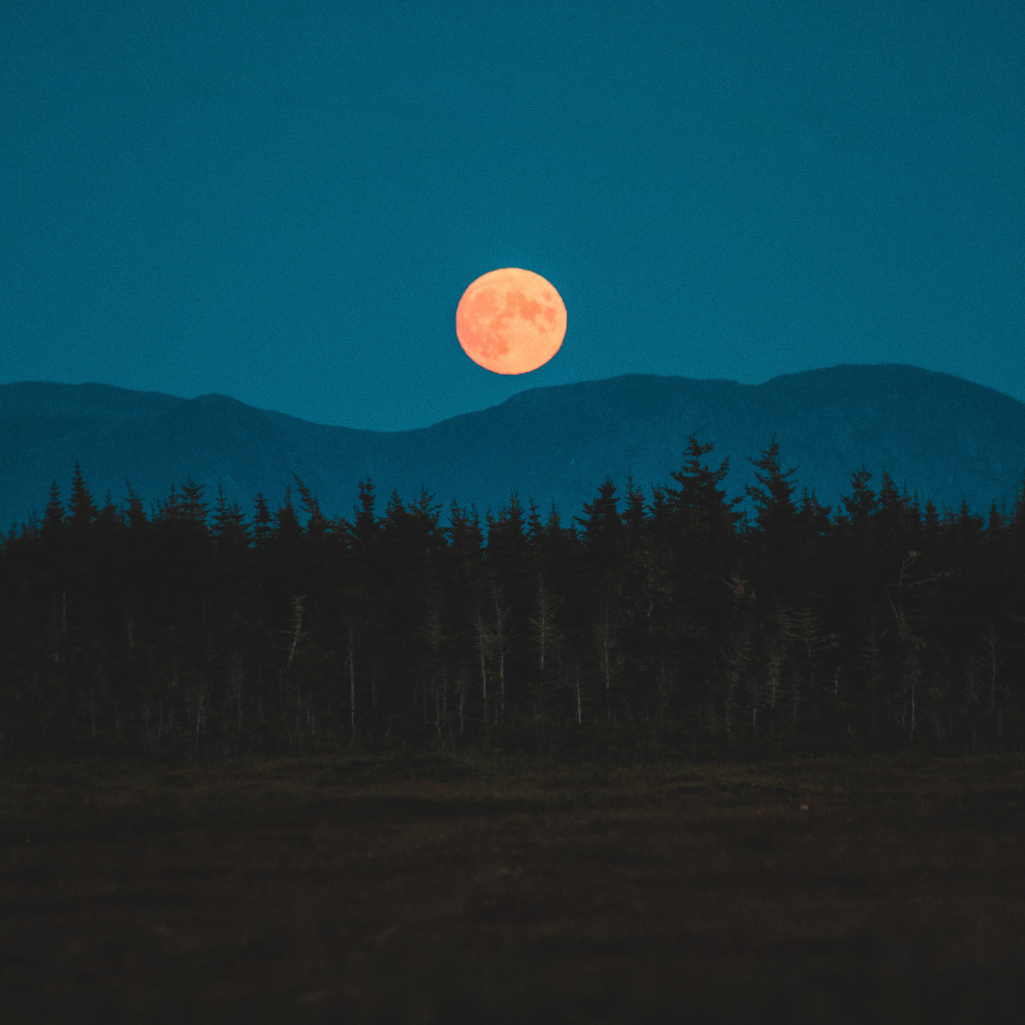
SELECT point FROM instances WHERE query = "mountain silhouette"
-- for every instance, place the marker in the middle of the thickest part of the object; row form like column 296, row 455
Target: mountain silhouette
column 940, row 436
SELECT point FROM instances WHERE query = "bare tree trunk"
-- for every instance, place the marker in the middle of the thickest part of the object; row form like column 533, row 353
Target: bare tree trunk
column 462, row 702
column 237, row 665
column 500, row 704
column 914, row 682
column 482, row 651
column 775, row 664
column 608, row 663
column 297, row 621
column 736, row 659
column 545, row 637
column 500, row 640
column 991, row 645
column 352, row 680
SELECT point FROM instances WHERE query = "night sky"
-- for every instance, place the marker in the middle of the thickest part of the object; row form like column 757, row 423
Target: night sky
column 283, row 201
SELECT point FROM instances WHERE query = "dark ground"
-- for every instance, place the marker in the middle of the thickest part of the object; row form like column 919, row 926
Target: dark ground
column 446, row 890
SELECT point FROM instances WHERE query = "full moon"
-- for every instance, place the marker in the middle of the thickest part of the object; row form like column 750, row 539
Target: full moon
column 510, row 321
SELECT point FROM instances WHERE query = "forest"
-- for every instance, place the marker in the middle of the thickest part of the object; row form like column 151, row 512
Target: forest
column 671, row 621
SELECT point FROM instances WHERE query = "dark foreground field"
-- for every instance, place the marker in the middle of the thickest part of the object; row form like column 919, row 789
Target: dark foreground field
column 451, row 890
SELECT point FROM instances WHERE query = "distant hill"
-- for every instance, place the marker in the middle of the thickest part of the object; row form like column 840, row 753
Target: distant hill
column 943, row 437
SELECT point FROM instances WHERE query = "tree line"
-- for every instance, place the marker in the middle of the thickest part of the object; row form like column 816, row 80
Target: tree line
column 671, row 620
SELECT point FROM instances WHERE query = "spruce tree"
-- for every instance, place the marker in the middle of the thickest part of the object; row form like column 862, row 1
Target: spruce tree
column 775, row 541
column 53, row 523
column 81, row 510
column 602, row 531
column 262, row 523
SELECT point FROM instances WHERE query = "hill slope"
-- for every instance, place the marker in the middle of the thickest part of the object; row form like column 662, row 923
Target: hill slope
column 944, row 437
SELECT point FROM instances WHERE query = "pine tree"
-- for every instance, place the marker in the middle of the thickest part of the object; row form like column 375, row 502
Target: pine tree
column 774, row 504
column 508, row 555
column 633, row 515
column 109, row 518
column 364, row 521
column 193, row 508
column 603, row 533
column 699, row 499
column 261, row 523
column 316, row 521
column 81, row 510
column 862, row 502
column 53, row 519
column 465, row 537
column 287, row 529
column 229, row 524
column 777, row 539
column 135, row 514
column 698, row 553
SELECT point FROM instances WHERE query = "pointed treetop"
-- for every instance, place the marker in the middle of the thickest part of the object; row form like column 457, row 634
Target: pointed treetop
column 170, row 509
column 633, row 514
column 365, row 524
column 261, row 522
column 135, row 514
column 81, row 509
column 464, row 532
column 193, row 508
column 229, row 525
column 699, row 494
column 425, row 510
column 862, row 501
column 287, row 522
column 554, row 523
column 535, row 528
column 53, row 518
column 774, row 497
column 109, row 517
column 316, row 521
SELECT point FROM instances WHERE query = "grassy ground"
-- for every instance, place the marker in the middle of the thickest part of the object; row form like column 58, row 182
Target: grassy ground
column 447, row 890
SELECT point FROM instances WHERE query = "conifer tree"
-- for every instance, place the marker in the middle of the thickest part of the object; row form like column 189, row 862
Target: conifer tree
column 508, row 562
column 365, row 524
column 777, row 539
column 81, row 510
column 53, row 523
column 135, row 514
column 862, row 502
column 699, row 499
column 193, row 508
column 262, row 522
column 178, row 634
column 229, row 524
column 633, row 515
column 603, row 533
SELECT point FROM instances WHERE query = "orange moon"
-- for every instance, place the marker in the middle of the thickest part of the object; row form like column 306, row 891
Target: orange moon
column 511, row 321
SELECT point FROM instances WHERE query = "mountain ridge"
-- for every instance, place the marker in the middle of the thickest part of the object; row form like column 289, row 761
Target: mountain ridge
column 942, row 436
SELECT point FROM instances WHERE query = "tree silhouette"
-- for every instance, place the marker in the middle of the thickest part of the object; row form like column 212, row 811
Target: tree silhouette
column 669, row 620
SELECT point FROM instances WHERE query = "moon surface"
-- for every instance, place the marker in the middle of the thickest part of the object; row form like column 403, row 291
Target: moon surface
column 511, row 321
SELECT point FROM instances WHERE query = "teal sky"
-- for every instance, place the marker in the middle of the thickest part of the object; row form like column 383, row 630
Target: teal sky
column 283, row 201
